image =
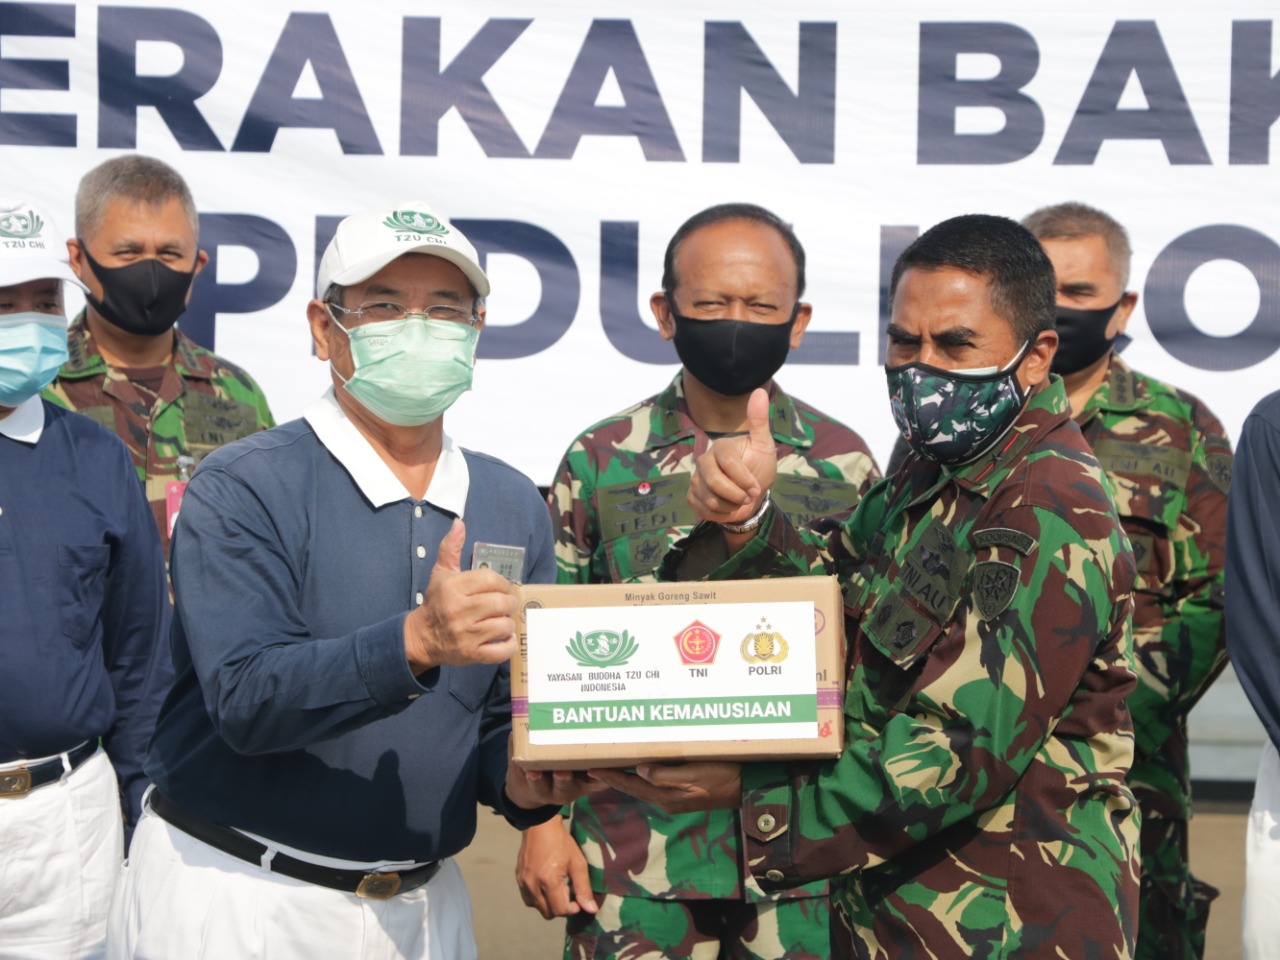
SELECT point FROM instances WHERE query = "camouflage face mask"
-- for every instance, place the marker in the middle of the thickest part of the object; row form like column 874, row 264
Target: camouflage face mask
column 953, row 416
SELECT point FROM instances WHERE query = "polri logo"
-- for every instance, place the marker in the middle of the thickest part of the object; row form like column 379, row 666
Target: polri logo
column 764, row 645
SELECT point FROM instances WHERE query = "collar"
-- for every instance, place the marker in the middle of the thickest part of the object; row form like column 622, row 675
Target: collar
column 449, row 483
column 670, row 421
column 26, row 422
column 1045, row 409
column 1121, row 392
column 190, row 360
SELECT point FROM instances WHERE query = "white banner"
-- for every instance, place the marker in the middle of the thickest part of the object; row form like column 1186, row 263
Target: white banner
column 570, row 140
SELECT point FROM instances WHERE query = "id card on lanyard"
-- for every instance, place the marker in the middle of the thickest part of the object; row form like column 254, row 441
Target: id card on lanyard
column 174, row 491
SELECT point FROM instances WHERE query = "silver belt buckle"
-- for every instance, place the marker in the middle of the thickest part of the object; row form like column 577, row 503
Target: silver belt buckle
column 378, row 886
column 17, row 783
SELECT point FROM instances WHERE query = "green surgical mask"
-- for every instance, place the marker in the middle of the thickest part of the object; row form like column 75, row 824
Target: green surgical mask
column 408, row 372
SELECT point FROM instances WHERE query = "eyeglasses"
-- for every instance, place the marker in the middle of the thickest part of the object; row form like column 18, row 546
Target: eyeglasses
column 377, row 311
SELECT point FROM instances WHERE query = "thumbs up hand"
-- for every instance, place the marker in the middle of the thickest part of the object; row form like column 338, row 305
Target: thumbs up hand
column 467, row 616
column 731, row 478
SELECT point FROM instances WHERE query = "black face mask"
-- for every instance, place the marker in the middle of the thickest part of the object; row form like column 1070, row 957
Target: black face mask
column 732, row 357
column 144, row 298
column 1082, row 337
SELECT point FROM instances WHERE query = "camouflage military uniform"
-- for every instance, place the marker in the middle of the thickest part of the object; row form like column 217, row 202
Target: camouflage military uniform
column 202, row 403
column 618, row 503
column 980, row 807
column 1169, row 462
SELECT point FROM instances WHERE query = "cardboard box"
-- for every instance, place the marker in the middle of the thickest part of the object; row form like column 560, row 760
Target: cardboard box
column 610, row 675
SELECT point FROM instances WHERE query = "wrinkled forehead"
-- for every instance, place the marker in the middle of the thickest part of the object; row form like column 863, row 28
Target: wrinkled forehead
column 415, row 275
column 743, row 250
column 124, row 218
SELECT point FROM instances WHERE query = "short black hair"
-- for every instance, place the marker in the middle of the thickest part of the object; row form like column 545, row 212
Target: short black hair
column 732, row 211
column 1006, row 253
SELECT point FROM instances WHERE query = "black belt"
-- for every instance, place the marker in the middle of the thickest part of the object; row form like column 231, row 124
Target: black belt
column 370, row 886
column 20, row 782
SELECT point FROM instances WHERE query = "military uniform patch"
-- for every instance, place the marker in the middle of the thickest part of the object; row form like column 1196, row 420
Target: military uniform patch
column 994, row 584
column 805, row 499
column 1144, row 551
column 904, row 634
column 1218, row 466
column 654, row 505
column 646, row 552
column 901, row 631
column 212, row 421
column 1143, row 459
column 1024, row 543
column 933, row 570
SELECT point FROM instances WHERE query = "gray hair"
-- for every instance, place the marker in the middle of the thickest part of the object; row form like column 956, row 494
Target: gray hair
column 134, row 179
column 1072, row 221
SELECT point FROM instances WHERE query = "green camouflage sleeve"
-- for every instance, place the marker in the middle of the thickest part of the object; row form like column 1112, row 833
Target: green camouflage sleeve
column 573, row 517
column 1192, row 637
column 968, row 724
column 259, row 400
column 779, row 548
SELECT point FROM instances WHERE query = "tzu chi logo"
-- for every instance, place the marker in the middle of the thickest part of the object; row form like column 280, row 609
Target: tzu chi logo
column 602, row 648
column 411, row 221
column 20, row 226
column 697, row 644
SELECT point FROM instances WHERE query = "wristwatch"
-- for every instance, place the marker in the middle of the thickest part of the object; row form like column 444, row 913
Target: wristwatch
column 746, row 526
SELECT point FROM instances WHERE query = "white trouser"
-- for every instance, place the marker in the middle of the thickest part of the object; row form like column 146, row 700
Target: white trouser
column 60, row 852
column 178, row 897
column 1262, row 863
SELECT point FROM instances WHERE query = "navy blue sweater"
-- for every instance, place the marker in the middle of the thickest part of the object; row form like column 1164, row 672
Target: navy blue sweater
column 294, row 714
column 83, row 600
column 1253, row 563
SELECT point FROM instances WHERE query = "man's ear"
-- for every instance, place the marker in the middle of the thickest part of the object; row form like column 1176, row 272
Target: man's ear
column 321, row 324
column 1035, row 365
column 1120, row 319
column 662, row 313
column 201, row 259
column 803, row 315
column 75, row 254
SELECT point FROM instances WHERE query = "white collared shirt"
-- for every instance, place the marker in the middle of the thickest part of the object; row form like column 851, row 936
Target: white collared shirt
column 26, row 423
column 449, row 482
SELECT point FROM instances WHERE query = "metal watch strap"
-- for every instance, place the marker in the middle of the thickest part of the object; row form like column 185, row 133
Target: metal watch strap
column 746, row 526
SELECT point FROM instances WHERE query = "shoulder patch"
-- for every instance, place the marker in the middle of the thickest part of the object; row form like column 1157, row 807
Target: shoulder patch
column 1024, row 543
column 994, row 584
column 1122, row 392
column 1218, row 466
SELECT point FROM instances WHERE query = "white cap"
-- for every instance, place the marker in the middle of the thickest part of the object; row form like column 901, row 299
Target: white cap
column 366, row 242
column 31, row 248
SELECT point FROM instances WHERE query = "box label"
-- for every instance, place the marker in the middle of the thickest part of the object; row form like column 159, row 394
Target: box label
column 636, row 674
